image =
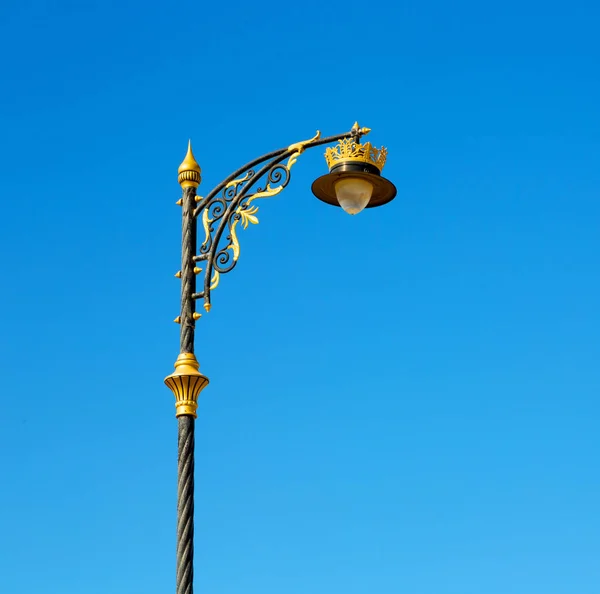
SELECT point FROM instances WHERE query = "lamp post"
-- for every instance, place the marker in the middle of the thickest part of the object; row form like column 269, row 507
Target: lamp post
column 354, row 182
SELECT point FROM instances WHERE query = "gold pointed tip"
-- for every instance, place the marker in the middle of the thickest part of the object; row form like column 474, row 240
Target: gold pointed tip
column 189, row 163
column 179, row 202
column 196, row 315
column 178, row 274
column 207, row 307
column 197, row 270
column 177, row 320
column 356, row 126
column 364, row 131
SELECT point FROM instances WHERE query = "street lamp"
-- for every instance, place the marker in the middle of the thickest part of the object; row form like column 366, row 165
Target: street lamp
column 354, row 182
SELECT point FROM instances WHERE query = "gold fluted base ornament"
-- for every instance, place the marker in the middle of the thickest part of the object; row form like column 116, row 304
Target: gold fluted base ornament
column 186, row 383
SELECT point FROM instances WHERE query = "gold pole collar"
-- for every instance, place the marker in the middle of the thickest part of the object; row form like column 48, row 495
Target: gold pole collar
column 186, row 383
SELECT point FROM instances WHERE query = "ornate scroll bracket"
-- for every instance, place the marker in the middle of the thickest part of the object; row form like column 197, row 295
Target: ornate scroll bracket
column 233, row 205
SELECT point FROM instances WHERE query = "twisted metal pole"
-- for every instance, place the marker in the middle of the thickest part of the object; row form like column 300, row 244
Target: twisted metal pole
column 188, row 275
column 185, row 506
column 186, row 422
column 186, row 382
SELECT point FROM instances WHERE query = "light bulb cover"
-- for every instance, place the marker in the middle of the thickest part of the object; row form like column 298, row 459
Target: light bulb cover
column 353, row 193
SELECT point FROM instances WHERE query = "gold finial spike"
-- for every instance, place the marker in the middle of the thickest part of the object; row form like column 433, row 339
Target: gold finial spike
column 358, row 131
column 207, row 307
column 179, row 202
column 189, row 170
column 198, row 198
column 177, row 320
column 196, row 315
column 178, row 274
column 186, row 383
column 197, row 270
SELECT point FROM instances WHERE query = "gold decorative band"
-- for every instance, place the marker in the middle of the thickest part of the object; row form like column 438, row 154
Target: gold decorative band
column 186, row 383
column 189, row 179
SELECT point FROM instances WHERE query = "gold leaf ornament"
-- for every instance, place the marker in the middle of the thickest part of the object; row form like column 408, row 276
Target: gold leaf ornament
column 248, row 216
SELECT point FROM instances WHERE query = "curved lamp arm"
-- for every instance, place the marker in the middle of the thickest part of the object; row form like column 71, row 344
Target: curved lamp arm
column 230, row 203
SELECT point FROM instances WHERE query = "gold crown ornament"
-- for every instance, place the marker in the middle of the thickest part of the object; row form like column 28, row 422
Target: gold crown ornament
column 351, row 150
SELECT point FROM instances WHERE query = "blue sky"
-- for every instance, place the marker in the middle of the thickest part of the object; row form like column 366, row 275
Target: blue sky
column 401, row 401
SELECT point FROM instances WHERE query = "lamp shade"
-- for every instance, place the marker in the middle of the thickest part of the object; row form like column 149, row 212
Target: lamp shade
column 350, row 179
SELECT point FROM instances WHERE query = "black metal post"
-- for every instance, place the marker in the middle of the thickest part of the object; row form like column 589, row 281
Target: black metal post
column 185, row 506
column 185, row 467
